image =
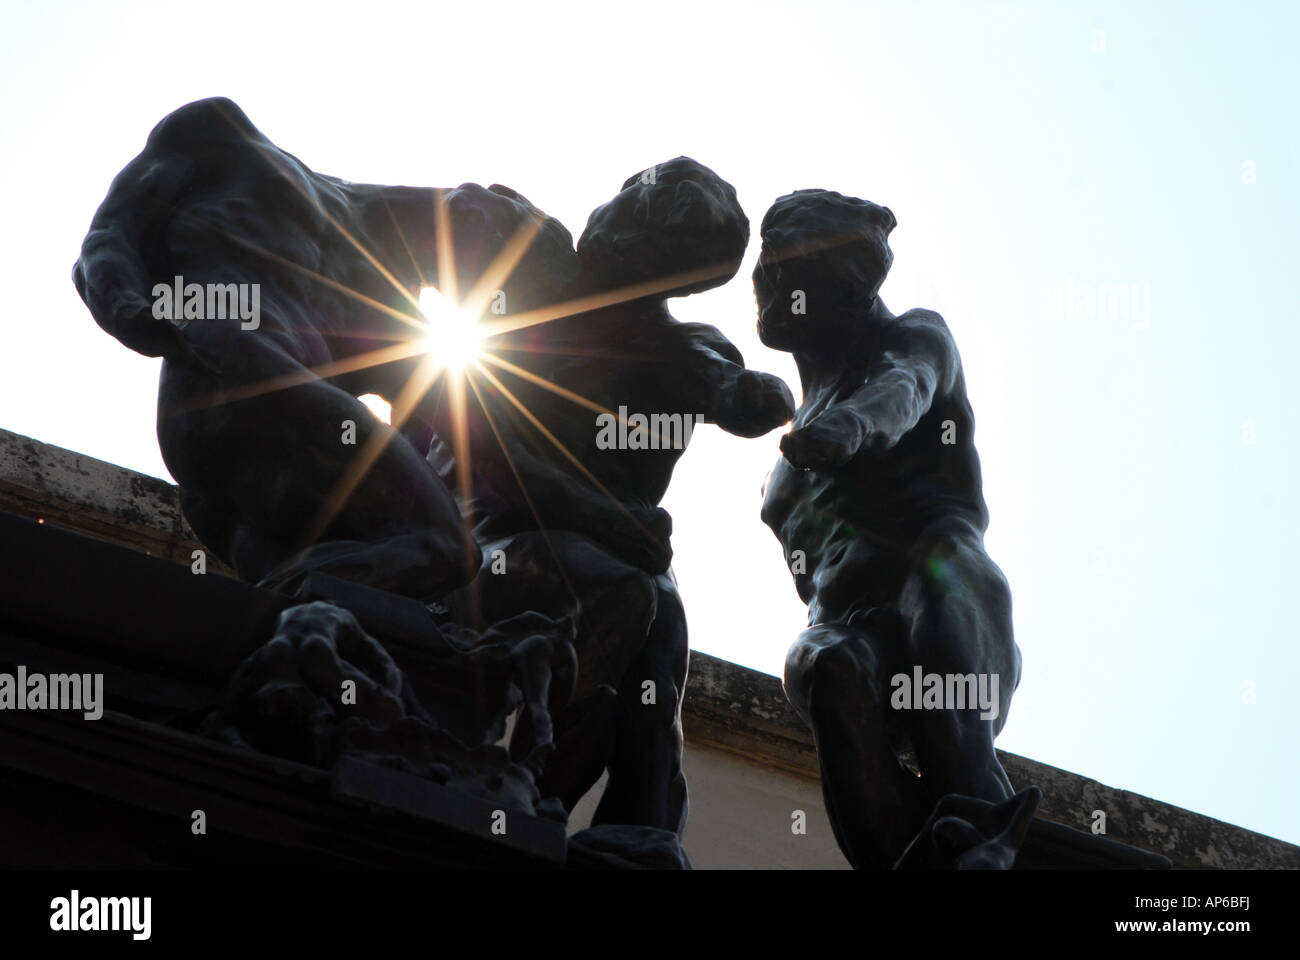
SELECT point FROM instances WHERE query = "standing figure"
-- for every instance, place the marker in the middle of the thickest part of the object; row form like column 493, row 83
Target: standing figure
column 566, row 496
column 877, row 503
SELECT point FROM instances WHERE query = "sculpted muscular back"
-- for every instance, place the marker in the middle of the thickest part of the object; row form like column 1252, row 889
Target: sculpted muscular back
column 250, row 429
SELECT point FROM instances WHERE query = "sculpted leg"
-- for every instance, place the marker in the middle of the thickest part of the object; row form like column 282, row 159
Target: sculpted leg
column 564, row 574
column 960, row 607
column 646, row 784
column 838, row 680
column 260, row 470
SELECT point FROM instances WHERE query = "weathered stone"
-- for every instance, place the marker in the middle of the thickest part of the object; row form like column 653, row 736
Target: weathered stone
column 727, row 707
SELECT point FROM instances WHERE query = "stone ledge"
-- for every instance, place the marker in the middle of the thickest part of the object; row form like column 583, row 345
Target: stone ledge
column 98, row 499
column 121, row 790
column 745, row 711
column 727, row 706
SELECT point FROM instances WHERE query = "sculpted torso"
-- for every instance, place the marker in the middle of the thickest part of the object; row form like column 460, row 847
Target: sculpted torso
column 858, row 526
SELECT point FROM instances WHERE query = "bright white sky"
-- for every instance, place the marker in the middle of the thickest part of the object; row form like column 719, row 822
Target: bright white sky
column 1027, row 151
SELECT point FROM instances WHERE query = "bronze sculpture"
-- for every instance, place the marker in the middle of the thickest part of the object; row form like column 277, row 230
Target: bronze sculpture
column 878, row 505
column 285, row 474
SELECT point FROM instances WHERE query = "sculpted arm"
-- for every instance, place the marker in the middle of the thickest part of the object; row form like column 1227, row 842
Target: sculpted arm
column 744, row 402
column 917, row 363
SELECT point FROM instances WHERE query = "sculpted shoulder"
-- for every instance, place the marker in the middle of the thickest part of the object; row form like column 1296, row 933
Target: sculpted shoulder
column 920, row 336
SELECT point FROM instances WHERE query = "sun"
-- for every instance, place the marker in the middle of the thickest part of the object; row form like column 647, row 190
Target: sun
column 453, row 334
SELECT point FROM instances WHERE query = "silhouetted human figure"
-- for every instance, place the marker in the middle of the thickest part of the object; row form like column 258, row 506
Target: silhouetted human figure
column 257, row 420
column 877, row 503
column 587, row 521
column 259, row 423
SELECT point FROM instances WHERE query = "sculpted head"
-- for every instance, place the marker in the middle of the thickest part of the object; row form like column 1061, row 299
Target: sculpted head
column 673, row 219
column 483, row 222
column 823, row 260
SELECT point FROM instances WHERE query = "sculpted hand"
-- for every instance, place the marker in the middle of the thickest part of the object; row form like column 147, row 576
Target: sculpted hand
column 759, row 402
column 828, row 441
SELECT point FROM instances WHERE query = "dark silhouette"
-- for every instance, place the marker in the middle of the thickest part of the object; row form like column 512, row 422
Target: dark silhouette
column 284, row 473
column 250, row 429
column 574, row 520
column 877, row 504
